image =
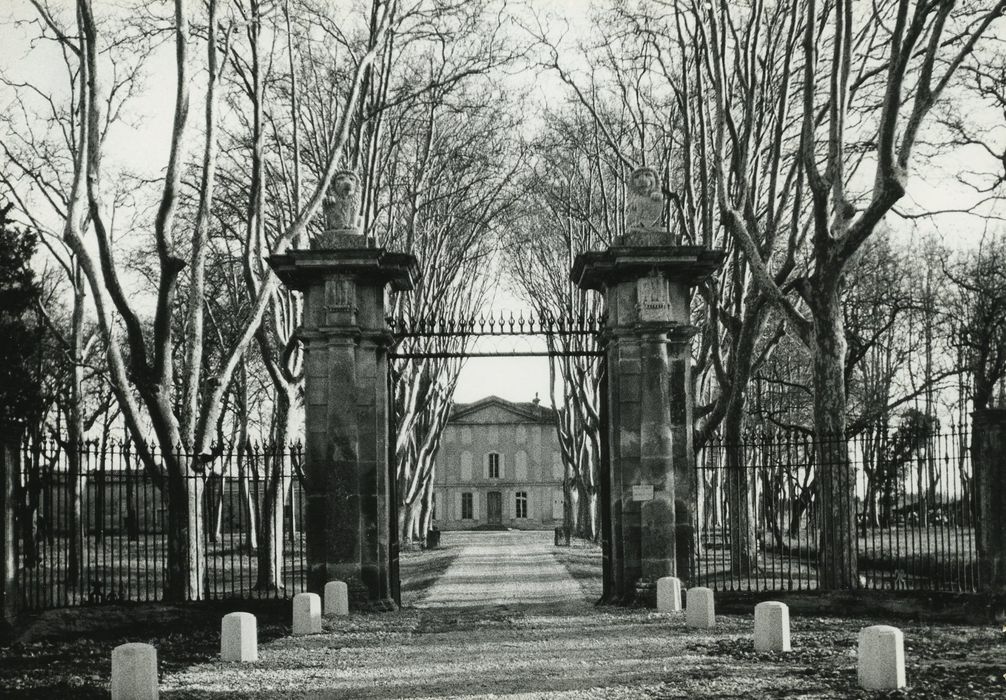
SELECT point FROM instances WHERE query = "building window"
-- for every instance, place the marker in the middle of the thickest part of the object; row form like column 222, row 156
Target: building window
column 466, row 506
column 466, row 466
column 521, row 509
column 494, row 465
column 520, row 466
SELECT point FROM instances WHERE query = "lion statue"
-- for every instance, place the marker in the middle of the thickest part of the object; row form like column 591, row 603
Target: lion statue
column 644, row 205
column 343, row 202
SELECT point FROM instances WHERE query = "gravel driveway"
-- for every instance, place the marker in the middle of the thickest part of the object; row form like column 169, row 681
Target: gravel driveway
column 502, row 568
column 504, row 620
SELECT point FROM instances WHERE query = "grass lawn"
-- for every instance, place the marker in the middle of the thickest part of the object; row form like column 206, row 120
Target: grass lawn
column 118, row 568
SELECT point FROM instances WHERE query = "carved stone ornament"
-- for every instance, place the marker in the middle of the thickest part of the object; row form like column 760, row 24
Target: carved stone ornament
column 653, row 296
column 340, row 295
column 644, row 205
column 342, row 203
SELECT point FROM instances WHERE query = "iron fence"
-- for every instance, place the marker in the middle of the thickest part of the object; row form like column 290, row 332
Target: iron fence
column 907, row 495
column 92, row 523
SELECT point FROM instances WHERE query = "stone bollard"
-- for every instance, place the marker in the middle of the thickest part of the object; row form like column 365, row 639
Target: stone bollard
column 238, row 637
column 771, row 626
column 306, row 613
column 668, row 594
column 701, row 609
column 336, row 598
column 881, row 658
column 134, row 672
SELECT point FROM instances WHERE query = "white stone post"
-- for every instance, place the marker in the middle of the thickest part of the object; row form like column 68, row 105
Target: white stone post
column 238, row 637
column 881, row 658
column 771, row 626
column 134, row 672
column 336, row 598
column 701, row 609
column 668, row 594
column 306, row 613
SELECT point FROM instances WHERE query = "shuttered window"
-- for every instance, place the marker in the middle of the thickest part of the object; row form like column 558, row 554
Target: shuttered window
column 494, row 465
column 466, row 506
column 557, row 468
column 520, row 466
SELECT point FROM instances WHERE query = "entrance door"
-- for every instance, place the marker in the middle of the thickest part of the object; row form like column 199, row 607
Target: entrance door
column 494, row 506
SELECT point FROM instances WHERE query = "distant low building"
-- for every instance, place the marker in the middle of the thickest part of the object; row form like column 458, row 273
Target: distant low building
column 499, row 466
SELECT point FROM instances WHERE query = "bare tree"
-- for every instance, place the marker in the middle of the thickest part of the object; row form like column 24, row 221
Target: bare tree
column 142, row 359
column 894, row 49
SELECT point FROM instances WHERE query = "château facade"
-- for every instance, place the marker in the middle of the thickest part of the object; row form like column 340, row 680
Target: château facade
column 499, row 466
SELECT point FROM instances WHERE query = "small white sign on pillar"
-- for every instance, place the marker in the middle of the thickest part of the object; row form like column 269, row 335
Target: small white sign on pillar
column 306, row 613
column 881, row 658
column 701, row 609
column 668, row 594
column 642, row 492
column 134, row 672
column 238, row 637
column 336, row 598
column 771, row 626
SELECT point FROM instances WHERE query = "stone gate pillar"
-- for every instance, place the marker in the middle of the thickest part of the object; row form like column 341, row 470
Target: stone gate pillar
column 988, row 459
column 349, row 507
column 647, row 283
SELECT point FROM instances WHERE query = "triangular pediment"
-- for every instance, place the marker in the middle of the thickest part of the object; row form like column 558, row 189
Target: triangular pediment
column 493, row 409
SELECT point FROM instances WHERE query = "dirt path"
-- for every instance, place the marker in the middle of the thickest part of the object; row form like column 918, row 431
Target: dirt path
column 502, row 568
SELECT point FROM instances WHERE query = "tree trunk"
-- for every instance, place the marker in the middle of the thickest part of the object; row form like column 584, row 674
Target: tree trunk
column 74, row 485
column 185, row 564
column 740, row 517
column 29, row 509
column 216, row 497
column 270, row 550
column 247, row 496
column 583, row 515
column 426, row 516
column 836, row 476
column 134, row 480
column 75, row 434
column 277, row 480
column 408, row 517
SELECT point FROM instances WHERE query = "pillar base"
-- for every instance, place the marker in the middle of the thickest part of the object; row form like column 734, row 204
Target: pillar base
column 645, row 593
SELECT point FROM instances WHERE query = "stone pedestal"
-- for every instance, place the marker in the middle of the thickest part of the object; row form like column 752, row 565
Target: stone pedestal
column 306, row 614
column 134, row 672
column 350, row 493
column 336, row 598
column 647, row 287
column 700, row 610
column 989, row 460
column 668, row 594
column 881, row 658
column 239, row 637
column 771, row 626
